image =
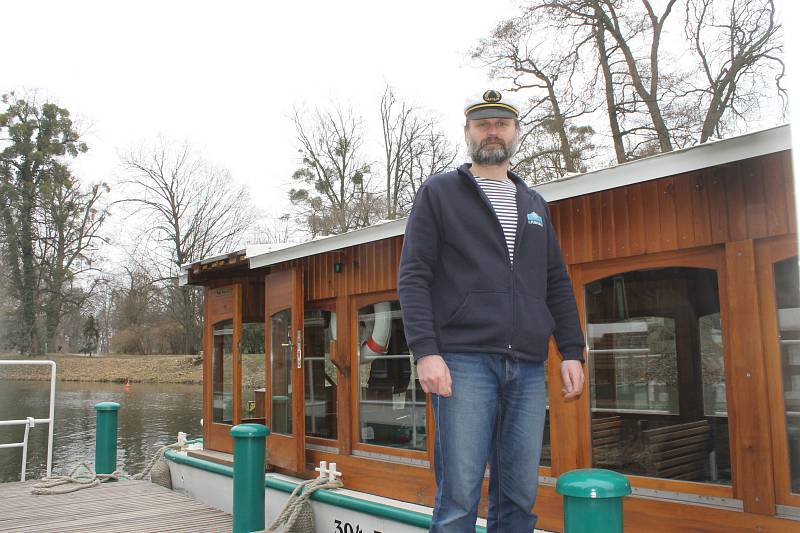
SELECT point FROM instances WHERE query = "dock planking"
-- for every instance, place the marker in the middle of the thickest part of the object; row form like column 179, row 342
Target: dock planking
column 111, row 508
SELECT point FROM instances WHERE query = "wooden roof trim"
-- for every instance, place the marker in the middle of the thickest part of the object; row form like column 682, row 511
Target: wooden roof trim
column 696, row 157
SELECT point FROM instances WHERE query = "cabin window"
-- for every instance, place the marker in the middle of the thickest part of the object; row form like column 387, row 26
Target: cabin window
column 391, row 400
column 254, row 363
column 787, row 297
column 320, row 374
column 280, row 325
column 222, row 373
column 657, row 375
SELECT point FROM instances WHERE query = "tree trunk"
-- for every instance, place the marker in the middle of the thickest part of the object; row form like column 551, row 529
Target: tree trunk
column 28, row 332
column 611, row 106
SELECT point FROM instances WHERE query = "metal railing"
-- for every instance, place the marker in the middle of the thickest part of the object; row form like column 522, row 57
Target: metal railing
column 30, row 421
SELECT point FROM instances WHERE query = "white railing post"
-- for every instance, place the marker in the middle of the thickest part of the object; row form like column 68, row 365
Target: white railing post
column 30, row 421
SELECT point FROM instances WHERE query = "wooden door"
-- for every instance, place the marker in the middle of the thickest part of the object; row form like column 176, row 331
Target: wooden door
column 221, row 367
column 778, row 293
column 285, row 349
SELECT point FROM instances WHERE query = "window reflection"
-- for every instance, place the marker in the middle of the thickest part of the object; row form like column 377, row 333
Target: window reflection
column 391, row 401
column 254, row 362
column 787, row 296
column 320, row 374
column 281, row 372
column 222, row 373
column 657, row 375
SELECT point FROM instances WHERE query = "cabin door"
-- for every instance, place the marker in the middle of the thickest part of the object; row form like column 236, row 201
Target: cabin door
column 221, row 370
column 285, row 349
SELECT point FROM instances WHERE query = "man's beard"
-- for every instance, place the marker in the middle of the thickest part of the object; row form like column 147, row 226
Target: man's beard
column 496, row 155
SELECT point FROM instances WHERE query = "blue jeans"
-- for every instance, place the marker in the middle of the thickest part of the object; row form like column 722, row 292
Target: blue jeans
column 495, row 414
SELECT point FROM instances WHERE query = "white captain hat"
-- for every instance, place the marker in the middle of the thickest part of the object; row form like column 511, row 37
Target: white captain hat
column 491, row 104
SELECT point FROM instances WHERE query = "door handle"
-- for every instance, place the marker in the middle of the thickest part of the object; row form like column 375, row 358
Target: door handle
column 299, row 349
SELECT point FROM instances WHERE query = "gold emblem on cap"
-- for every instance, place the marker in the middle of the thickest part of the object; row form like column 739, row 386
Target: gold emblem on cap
column 491, row 96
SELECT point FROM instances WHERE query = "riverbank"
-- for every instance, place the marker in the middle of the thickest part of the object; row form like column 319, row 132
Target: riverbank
column 110, row 368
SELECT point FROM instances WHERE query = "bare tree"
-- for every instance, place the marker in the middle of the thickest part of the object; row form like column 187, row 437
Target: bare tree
column 736, row 46
column 523, row 51
column 334, row 193
column 140, row 323
column 274, row 230
column 644, row 74
column 190, row 210
column 401, row 128
column 433, row 153
column 655, row 101
column 70, row 236
column 413, row 148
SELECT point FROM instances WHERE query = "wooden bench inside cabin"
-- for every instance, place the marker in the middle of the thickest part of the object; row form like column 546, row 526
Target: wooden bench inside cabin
column 606, row 437
column 679, row 451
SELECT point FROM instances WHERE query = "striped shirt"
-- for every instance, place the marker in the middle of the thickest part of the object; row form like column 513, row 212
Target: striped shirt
column 503, row 196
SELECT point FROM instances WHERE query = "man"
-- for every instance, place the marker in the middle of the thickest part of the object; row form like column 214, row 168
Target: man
column 483, row 285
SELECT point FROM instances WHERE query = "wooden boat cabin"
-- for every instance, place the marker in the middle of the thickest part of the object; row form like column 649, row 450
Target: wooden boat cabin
column 685, row 269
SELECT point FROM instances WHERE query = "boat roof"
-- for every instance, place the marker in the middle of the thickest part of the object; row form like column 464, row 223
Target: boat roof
column 709, row 154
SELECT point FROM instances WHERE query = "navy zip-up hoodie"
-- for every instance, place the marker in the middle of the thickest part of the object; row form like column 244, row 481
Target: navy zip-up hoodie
column 459, row 291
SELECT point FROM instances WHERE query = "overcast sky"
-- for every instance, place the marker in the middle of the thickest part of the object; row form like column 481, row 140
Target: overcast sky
column 225, row 75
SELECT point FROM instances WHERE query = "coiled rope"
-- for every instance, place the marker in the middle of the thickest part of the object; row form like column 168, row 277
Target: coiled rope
column 47, row 485
column 296, row 514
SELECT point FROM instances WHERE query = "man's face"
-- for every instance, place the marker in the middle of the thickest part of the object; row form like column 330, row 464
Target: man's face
column 491, row 141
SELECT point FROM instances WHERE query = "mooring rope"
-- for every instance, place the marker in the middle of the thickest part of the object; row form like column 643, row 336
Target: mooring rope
column 296, row 514
column 156, row 457
column 47, row 485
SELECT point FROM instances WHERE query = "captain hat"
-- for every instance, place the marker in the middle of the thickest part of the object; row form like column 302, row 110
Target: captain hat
column 491, row 104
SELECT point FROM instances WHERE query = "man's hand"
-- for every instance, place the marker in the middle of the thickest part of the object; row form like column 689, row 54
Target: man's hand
column 572, row 377
column 434, row 376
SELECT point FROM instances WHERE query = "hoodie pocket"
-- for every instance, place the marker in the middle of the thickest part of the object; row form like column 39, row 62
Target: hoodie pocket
column 534, row 323
column 482, row 319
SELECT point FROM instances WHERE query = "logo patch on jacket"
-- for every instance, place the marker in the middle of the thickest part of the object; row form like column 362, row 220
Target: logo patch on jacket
column 533, row 218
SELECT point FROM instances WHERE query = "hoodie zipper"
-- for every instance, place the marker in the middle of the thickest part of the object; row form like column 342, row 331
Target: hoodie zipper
column 505, row 247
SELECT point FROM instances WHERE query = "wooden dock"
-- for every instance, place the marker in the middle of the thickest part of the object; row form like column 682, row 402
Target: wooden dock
column 111, row 507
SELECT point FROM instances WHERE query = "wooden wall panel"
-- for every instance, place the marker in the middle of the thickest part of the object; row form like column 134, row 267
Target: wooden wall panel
column 636, row 220
column 748, row 397
column 718, row 212
column 700, row 209
column 750, row 199
column 652, row 220
column 666, row 212
column 684, row 219
column 789, row 187
column 737, row 215
column 756, row 205
column 566, row 231
column 774, row 190
column 620, row 217
column 606, row 225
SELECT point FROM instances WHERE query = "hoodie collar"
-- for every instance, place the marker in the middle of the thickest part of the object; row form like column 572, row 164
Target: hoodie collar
column 466, row 170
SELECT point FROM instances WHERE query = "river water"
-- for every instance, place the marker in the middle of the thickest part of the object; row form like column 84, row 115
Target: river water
column 151, row 416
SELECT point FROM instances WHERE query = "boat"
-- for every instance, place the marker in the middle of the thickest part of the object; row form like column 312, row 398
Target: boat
column 684, row 266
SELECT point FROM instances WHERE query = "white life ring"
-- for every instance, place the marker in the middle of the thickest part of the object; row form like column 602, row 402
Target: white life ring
column 378, row 341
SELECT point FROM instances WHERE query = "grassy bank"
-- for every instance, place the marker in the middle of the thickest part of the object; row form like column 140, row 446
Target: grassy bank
column 110, row 368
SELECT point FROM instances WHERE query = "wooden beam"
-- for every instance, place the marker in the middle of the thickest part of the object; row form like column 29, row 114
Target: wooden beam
column 747, row 401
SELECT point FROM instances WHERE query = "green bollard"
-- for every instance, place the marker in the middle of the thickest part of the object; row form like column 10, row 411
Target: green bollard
column 249, row 451
column 593, row 500
column 105, row 454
